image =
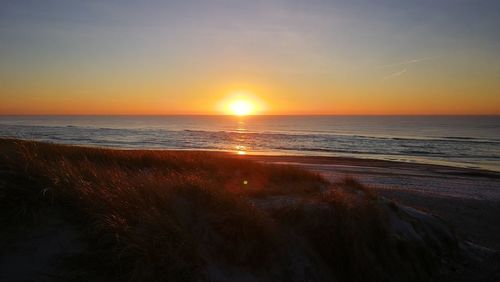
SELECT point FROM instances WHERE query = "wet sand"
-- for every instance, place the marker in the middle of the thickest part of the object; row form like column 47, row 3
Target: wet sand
column 468, row 199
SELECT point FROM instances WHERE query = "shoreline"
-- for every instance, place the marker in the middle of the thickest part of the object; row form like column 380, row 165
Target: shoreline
column 460, row 168
column 373, row 163
column 338, row 161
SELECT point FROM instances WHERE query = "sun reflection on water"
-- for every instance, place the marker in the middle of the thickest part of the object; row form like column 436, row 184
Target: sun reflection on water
column 240, row 138
column 241, row 150
column 241, row 126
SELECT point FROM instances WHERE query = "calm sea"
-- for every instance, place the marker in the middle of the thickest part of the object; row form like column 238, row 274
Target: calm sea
column 463, row 141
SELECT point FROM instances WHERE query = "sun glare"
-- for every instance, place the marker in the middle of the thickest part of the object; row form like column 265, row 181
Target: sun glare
column 241, row 107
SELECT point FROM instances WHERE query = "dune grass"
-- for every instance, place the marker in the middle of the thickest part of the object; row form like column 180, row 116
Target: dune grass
column 160, row 210
column 172, row 216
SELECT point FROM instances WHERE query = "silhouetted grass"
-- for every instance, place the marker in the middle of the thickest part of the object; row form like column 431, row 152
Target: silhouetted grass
column 160, row 210
column 170, row 216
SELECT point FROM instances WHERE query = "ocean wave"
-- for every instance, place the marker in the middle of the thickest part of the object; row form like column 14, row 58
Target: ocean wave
column 451, row 146
column 330, row 136
column 420, row 153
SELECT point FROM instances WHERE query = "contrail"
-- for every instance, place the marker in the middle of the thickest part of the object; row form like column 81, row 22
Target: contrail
column 395, row 74
column 406, row 65
column 412, row 61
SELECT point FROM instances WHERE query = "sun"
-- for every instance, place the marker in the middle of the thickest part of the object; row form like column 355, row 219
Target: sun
column 241, row 103
column 241, row 107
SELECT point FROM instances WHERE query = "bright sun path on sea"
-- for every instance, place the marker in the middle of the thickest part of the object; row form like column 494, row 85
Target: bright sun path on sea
column 241, row 107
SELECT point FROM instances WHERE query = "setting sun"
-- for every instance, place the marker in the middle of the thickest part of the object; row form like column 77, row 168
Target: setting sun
column 241, row 107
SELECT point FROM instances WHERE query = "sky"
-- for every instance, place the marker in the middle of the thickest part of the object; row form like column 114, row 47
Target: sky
column 287, row 57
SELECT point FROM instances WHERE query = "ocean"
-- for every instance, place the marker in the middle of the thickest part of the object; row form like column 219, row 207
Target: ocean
column 463, row 141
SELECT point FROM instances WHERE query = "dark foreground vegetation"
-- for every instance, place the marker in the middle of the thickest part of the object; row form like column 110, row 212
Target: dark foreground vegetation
column 200, row 216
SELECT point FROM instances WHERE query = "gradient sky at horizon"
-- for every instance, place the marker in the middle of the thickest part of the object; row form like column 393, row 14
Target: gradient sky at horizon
column 296, row 56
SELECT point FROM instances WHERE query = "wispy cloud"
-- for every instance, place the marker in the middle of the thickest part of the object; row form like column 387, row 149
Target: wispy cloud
column 412, row 61
column 395, row 74
column 406, row 65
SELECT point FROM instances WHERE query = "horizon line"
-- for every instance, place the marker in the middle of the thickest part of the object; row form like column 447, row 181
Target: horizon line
column 254, row 115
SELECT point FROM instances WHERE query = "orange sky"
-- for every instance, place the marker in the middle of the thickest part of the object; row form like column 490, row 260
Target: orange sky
column 274, row 99
column 305, row 57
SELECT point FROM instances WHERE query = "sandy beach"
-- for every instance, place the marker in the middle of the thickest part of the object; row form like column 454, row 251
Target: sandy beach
column 468, row 199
